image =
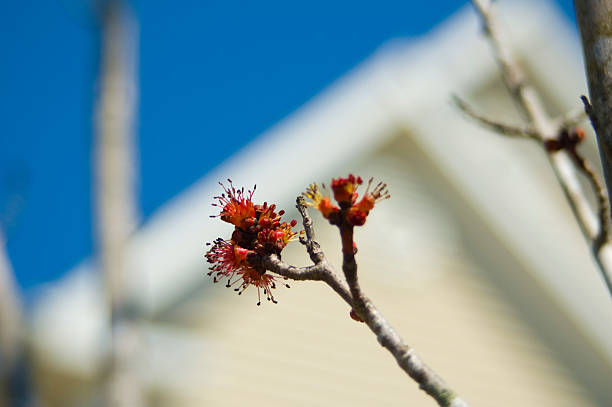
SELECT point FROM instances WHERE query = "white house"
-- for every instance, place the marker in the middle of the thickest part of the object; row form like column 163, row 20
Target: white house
column 476, row 259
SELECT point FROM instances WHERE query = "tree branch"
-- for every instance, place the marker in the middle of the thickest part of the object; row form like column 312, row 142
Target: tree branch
column 545, row 128
column 312, row 247
column 595, row 27
column 429, row 381
column 505, row 129
column 405, row 356
column 318, row 272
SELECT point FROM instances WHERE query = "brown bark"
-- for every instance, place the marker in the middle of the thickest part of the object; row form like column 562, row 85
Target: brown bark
column 595, row 23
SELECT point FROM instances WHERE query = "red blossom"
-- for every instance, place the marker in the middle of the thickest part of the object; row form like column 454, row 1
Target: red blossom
column 344, row 188
column 237, row 207
column 264, row 281
column 321, row 202
column 274, row 240
column 227, row 259
column 230, row 261
column 354, row 212
column 358, row 213
column 258, row 231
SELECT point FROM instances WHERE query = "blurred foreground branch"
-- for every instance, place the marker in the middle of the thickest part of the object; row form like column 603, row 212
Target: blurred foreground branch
column 12, row 346
column 595, row 24
column 550, row 134
column 116, row 198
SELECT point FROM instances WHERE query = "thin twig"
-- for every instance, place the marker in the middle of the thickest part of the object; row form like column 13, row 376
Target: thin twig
column 312, row 246
column 429, row 381
column 406, row 357
column 318, row 272
column 568, row 121
column 545, row 128
column 600, row 190
column 588, row 110
column 602, row 201
column 505, row 129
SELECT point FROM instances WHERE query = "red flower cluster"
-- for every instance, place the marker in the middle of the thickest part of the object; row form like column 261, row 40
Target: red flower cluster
column 258, row 230
column 345, row 193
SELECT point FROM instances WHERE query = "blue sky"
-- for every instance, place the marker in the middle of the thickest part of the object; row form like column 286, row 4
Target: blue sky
column 213, row 75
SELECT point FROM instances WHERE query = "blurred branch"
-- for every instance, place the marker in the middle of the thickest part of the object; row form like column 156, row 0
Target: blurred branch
column 11, row 328
column 428, row 380
column 505, row 129
column 546, row 129
column 116, row 198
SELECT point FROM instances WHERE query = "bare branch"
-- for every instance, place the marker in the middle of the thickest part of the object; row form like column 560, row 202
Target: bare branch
column 545, row 128
column 319, row 272
column 405, row 356
column 501, row 128
column 429, row 381
column 602, row 201
column 603, row 234
column 312, row 246
column 588, row 110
